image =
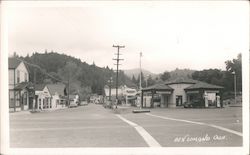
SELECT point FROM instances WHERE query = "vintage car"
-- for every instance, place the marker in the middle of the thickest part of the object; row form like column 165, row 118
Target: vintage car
column 193, row 104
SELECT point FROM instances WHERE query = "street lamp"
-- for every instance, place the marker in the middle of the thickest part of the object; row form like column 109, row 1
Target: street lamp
column 110, row 82
column 234, row 86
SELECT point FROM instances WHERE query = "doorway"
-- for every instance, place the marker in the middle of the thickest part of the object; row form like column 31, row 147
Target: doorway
column 178, row 100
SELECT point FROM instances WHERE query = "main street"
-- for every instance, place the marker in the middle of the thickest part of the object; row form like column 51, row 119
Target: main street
column 95, row 126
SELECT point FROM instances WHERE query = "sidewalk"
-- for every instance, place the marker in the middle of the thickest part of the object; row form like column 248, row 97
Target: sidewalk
column 20, row 112
column 26, row 112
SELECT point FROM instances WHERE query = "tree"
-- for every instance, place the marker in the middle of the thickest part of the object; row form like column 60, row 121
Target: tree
column 213, row 76
column 85, row 75
column 150, row 81
column 223, row 78
column 69, row 73
column 235, row 65
column 134, row 80
column 165, row 76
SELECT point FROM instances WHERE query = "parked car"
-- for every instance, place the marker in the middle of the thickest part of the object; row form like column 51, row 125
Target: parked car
column 72, row 104
column 193, row 104
column 83, row 103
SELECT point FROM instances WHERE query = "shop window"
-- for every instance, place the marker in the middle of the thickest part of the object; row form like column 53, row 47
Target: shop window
column 17, row 99
column 11, row 98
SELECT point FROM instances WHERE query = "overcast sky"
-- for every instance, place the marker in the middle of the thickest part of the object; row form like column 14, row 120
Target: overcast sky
column 185, row 34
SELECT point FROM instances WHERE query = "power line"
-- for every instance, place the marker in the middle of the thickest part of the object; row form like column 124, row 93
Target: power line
column 117, row 67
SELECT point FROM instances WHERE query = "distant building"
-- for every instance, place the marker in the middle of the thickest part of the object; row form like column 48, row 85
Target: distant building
column 21, row 91
column 179, row 91
column 125, row 94
column 50, row 96
column 58, row 94
column 43, row 97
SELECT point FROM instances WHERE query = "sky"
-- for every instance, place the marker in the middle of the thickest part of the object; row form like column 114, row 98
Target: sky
column 185, row 34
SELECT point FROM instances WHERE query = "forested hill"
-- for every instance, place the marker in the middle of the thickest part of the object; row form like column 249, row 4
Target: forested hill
column 83, row 77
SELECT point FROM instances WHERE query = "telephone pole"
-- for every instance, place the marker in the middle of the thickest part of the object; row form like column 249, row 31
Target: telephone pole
column 140, row 70
column 117, row 68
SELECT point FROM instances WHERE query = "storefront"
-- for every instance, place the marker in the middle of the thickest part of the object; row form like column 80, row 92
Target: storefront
column 150, row 96
column 179, row 92
column 21, row 97
column 209, row 95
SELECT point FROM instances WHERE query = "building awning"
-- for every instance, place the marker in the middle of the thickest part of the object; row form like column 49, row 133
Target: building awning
column 132, row 98
column 203, row 85
column 181, row 80
column 192, row 92
column 24, row 85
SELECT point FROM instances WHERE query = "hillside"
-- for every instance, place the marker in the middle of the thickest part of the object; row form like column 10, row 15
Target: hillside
column 136, row 72
column 173, row 74
column 83, row 77
column 181, row 73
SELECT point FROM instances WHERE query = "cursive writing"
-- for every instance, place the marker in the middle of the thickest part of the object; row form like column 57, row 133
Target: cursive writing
column 198, row 139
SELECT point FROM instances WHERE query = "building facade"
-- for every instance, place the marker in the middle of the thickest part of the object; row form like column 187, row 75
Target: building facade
column 43, row 97
column 126, row 95
column 50, row 96
column 181, row 91
column 21, row 91
column 58, row 93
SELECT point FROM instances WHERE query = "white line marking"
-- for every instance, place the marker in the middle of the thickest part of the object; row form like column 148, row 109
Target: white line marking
column 199, row 123
column 145, row 135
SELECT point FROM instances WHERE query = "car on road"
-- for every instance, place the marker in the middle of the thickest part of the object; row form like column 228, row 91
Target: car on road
column 83, row 103
column 72, row 104
column 193, row 104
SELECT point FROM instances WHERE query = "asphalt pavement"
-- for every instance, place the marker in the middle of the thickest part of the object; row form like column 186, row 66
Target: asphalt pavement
column 95, row 126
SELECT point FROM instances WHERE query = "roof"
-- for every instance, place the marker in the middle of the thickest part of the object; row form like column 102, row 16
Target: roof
column 13, row 63
column 59, row 88
column 39, row 87
column 158, row 87
column 181, row 80
column 23, row 85
column 203, row 85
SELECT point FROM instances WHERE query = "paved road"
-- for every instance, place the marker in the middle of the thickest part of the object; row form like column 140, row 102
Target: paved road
column 94, row 126
column 172, row 125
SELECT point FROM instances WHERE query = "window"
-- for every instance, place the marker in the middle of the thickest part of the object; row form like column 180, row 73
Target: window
column 18, row 76
column 44, row 106
column 25, row 98
column 11, row 98
column 47, row 102
column 17, row 99
column 40, row 103
column 26, row 77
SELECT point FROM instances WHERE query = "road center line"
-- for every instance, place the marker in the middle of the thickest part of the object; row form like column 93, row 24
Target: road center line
column 199, row 123
column 145, row 135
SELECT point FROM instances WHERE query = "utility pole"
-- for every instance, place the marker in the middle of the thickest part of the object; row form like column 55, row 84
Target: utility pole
column 68, row 89
column 141, row 95
column 140, row 69
column 117, row 68
column 34, row 96
column 110, row 84
column 234, row 73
